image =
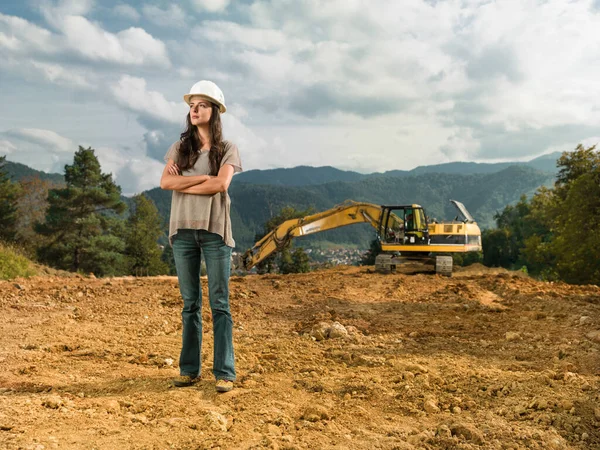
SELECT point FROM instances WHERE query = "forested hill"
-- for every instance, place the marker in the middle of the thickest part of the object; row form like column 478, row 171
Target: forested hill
column 482, row 194
column 298, row 176
column 17, row 171
column 258, row 195
column 545, row 163
column 306, row 176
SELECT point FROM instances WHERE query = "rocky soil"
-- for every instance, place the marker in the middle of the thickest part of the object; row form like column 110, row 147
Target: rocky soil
column 341, row 358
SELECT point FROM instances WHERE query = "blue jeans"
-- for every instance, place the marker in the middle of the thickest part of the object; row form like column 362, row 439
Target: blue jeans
column 188, row 246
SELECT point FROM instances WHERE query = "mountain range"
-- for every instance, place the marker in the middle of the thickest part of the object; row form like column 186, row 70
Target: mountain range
column 257, row 195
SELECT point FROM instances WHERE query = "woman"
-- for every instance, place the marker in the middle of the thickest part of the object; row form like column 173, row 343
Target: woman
column 199, row 169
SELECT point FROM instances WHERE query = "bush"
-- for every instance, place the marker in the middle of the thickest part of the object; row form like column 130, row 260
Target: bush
column 13, row 264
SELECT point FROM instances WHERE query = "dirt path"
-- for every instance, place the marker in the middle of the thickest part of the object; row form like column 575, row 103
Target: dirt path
column 484, row 360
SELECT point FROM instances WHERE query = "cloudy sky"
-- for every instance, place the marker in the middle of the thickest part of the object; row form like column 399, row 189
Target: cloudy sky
column 360, row 85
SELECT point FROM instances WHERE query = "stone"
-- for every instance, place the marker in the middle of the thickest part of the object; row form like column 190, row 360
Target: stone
column 53, row 402
column 314, row 413
column 566, row 404
column 337, row 330
column 216, row 421
column 594, row 336
column 512, row 336
column 444, row 431
column 585, row 320
column 273, row 430
column 352, row 330
column 416, row 368
column 140, row 418
column 430, row 405
column 597, row 412
column 112, row 406
column 520, row 410
column 319, row 331
column 466, row 432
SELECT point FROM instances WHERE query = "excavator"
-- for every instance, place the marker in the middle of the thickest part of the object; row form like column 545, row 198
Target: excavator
column 403, row 232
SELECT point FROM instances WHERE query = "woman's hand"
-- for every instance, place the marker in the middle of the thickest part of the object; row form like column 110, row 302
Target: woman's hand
column 172, row 179
column 173, row 169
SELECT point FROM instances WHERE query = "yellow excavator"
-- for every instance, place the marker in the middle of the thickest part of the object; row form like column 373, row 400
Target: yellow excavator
column 403, row 232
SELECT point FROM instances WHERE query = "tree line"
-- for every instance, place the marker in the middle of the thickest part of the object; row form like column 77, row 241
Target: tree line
column 80, row 226
column 554, row 235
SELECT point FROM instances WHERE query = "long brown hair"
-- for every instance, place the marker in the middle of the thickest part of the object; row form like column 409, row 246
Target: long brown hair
column 189, row 149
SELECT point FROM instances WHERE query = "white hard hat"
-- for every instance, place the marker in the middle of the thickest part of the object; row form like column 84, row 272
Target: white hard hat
column 209, row 91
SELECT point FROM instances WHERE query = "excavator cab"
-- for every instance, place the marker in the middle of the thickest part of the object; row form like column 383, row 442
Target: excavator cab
column 403, row 225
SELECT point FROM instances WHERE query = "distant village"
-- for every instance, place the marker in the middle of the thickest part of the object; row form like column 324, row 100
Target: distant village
column 320, row 258
column 335, row 257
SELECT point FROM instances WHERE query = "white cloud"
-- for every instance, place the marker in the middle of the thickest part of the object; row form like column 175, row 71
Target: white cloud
column 257, row 38
column 132, row 46
column 173, row 16
column 253, row 148
column 127, row 12
column 461, row 145
column 63, row 8
column 20, row 36
column 133, row 171
column 54, row 141
column 41, row 149
column 213, row 6
column 138, row 174
column 6, row 147
column 63, row 76
column 316, row 82
column 131, row 93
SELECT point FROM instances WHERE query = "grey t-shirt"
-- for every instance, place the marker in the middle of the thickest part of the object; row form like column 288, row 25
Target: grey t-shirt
column 203, row 212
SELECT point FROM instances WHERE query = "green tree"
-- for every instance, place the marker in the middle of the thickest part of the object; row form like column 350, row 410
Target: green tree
column 285, row 263
column 300, row 261
column 141, row 242
column 293, row 262
column 497, row 248
column 168, row 258
column 285, row 260
column 368, row 259
column 572, row 165
column 31, row 208
column 576, row 243
column 554, row 234
column 81, row 224
column 9, row 195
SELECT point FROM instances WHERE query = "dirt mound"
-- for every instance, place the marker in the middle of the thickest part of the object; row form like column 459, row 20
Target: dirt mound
column 341, row 358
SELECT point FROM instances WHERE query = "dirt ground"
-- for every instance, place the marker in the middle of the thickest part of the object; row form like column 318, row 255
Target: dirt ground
column 341, row 358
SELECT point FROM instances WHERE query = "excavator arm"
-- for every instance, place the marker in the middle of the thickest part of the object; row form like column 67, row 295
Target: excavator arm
column 347, row 213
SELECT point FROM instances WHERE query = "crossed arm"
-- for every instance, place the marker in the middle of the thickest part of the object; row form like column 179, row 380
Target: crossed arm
column 196, row 184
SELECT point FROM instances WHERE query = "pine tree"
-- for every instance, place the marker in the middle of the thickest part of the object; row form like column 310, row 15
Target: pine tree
column 143, row 230
column 9, row 195
column 83, row 232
